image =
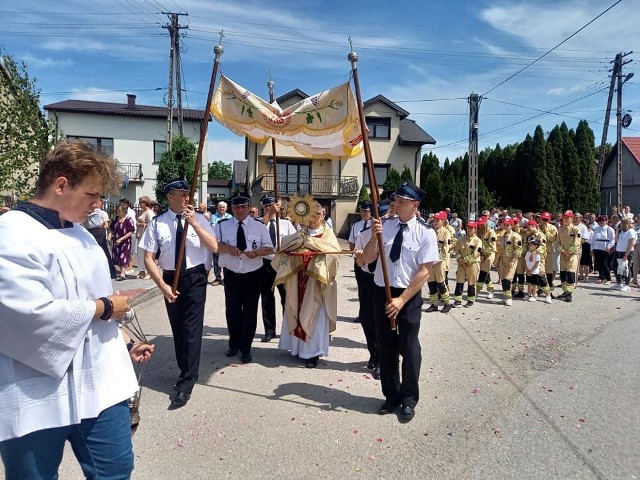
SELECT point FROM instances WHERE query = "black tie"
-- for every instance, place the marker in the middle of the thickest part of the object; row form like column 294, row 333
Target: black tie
column 179, row 234
column 241, row 240
column 396, row 248
column 272, row 231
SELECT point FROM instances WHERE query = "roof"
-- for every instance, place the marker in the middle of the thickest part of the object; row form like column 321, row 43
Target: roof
column 402, row 113
column 239, row 172
column 633, row 146
column 293, row 93
column 412, row 134
column 215, row 182
column 121, row 109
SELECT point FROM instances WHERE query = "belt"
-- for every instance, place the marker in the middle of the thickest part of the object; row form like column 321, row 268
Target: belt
column 187, row 271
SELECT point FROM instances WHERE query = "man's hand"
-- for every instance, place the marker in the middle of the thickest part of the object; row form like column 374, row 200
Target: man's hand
column 141, row 352
column 392, row 309
column 168, row 293
column 120, row 305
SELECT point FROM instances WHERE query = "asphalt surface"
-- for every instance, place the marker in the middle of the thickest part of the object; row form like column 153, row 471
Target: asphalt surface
column 530, row 391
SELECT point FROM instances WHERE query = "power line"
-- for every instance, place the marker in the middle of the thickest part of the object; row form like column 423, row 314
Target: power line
column 549, row 51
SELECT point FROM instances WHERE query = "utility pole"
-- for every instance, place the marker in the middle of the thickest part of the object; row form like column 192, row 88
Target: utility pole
column 603, row 143
column 174, row 73
column 619, row 58
column 472, row 197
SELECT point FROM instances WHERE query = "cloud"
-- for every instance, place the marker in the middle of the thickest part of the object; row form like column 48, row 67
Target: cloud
column 45, row 62
column 225, row 149
column 563, row 91
column 97, row 94
column 121, row 51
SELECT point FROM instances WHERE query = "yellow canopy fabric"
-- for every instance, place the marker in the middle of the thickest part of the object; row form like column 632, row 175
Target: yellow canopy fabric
column 325, row 125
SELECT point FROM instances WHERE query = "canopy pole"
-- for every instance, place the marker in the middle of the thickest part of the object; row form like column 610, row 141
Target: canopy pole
column 375, row 195
column 270, row 85
column 218, row 50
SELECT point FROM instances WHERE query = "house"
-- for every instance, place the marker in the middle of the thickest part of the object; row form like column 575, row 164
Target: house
column 630, row 176
column 218, row 189
column 134, row 134
column 395, row 140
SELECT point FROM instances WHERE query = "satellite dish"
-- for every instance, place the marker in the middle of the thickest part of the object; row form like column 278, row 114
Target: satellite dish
column 626, row 120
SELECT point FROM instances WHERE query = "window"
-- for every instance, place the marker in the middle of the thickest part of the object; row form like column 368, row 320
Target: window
column 294, row 178
column 159, row 147
column 103, row 144
column 381, row 171
column 379, row 127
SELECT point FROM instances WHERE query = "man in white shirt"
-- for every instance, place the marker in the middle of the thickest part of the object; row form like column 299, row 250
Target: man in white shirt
column 185, row 305
column 242, row 241
column 627, row 239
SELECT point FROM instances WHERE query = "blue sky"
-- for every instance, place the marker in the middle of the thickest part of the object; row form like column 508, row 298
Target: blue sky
column 427, row 56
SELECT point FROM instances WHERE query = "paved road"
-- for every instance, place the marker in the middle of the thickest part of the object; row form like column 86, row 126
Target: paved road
column 531, row 391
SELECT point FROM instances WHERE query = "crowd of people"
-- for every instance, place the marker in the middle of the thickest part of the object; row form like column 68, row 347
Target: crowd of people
column 64, row 340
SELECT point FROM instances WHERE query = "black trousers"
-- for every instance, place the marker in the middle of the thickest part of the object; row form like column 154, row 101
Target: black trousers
column 366, row 314
column 100, row 234
column 217, row 271
column 392, row 344
column 602, row 264
column 242, row 292
column 186, row 316
column 268, row 298
column 360, row 274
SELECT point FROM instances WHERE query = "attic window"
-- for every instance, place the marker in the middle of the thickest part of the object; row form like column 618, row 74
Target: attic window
column 379, row 127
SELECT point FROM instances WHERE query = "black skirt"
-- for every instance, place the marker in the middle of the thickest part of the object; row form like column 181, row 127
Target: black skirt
column 585, row 257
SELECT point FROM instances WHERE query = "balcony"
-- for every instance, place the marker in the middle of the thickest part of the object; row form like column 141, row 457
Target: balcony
column 131, row 172
column 324, row 186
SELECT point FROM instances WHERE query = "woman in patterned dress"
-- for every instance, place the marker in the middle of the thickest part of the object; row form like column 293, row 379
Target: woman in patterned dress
column 123, row 229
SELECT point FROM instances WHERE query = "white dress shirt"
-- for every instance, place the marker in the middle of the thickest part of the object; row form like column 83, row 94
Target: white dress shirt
column 356, row 228
column 419, row 246
column 257, row 236
column 286, row 228
column 161, row 232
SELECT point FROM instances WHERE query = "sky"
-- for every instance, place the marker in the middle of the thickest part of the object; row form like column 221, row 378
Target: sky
column 426, row 56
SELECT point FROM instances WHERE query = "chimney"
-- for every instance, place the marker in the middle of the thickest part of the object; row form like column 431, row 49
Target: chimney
column 131, row 101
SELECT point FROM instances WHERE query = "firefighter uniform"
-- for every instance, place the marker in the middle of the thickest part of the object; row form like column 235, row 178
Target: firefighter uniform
column 551, row 235
column 437, row 279
column 509, row 249
column 569, row 245
column 488, row 237
column 467, row 252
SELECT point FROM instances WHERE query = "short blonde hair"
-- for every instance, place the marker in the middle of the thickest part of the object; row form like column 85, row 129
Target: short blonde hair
column 146, row 199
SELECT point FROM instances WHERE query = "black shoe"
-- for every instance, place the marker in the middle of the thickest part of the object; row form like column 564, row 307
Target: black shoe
column 457, row 304
column 180, row 400
column 376, row 372
column 519, row 294
column 371, row 363
column 567, row 298
column 562, row 295
column 432, row 308
column 389, row 406
column 267, row 338
column 447, row 308
column 312, row 362
column 407, row 413
column 468, row 304
column 232, row 352
column 246, row 357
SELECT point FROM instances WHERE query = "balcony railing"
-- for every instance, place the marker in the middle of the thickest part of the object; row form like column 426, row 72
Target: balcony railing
column 318, row 185
column 131, row 172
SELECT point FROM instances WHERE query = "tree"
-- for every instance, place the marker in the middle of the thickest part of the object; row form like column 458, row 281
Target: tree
column 364, row 195
column 406, row 175
column 25, row 135
column 179, row 162
column 219, row 170
column 393, row 181
column 584, row 141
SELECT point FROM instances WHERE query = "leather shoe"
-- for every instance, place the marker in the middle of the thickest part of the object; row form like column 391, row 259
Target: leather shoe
column 407, row 413
column 376, row 372
column 389, row 406
column 246, row 358
column 232, row 352
column 180, row 400
column 312, row 362
column 267, row 338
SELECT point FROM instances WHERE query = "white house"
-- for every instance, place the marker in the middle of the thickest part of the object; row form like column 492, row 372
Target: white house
column 134, row 134
column 395, row 141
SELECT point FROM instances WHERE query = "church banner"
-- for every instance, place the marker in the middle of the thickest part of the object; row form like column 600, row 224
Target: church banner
column 324, row 126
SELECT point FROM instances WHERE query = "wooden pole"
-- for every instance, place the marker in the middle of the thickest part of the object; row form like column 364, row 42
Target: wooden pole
column 375, row 195
column 218, row 50
column 270, row 85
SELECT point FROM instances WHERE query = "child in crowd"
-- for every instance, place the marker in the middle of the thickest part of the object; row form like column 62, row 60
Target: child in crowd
column 532, row 261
